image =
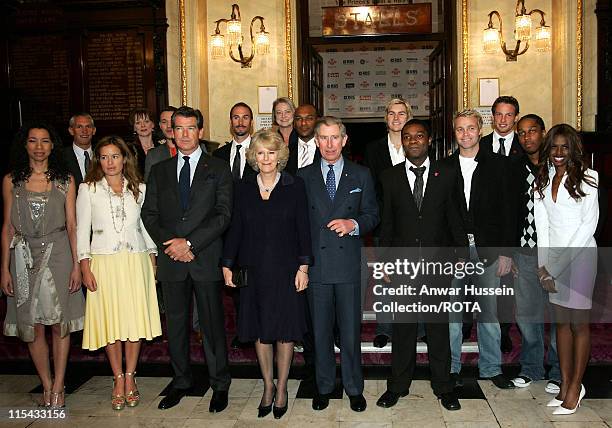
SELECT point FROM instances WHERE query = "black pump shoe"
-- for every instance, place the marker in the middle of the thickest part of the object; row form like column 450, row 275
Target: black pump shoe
column 263, row 411
column 280, row 411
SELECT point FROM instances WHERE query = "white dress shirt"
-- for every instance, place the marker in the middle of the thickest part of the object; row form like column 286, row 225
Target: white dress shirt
column 468, row 166
column 80, row 155
column 507, row 142
column 306, row 152
column 397, row 156
column 193, row 163
column 412, row 176
column 96, row 231
column 245, row 145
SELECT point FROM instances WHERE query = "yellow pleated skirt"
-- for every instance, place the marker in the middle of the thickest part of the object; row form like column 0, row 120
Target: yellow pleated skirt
column 124, row 306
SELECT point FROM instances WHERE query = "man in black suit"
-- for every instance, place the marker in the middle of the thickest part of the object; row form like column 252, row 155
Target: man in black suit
column 343, row 208
column 486, row 202
column 303, row 149
column 234, row 151
column 429, row 219
column 504, row 141
column 187, row 208
column 381, row 155
column 78, row 155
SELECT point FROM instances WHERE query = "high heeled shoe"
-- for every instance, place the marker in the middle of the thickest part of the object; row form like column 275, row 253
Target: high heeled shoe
column 58, row 400
column 280, row 411
column 263, row 411
column 132, row 398
column 554, row 403
column 565, row 411
column 118, row 401
column 46, row 399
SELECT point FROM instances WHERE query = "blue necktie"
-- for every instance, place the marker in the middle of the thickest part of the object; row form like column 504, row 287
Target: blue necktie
column 184, row 185
column 330, row 182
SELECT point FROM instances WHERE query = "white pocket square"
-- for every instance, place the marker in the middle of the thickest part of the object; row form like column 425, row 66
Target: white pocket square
column 356, row 190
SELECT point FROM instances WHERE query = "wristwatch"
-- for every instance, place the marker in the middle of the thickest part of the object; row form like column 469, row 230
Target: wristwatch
column 189, row 243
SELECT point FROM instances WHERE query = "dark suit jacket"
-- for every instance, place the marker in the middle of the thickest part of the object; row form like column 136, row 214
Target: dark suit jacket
column 71, row 162
column 155, row 156
column 203, row 223
column 338, row 259
column 224, row 153
column 516, row 150
column 492, row 213
column 437, row 224
column 292, row 163
column 378, row 159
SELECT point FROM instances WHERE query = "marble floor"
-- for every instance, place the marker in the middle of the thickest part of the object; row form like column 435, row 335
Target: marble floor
column 88, row 405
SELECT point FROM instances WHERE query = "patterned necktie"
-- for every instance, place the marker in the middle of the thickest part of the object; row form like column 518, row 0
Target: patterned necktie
column 417, row 191
column 236, row 164
column 184, row 185
column 304, row 156
column 330, row 182
column 502, row 149
column 87, row 161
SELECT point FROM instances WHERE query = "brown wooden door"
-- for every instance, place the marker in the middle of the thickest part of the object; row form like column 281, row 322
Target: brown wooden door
column 315, row 80
column 439, row 105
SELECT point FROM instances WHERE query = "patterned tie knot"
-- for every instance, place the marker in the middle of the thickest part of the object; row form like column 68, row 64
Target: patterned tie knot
column 418, row 171
column 331, row 166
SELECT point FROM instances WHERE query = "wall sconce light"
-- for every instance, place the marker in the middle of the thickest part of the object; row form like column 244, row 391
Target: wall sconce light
column 260, row 42
column 491, row 36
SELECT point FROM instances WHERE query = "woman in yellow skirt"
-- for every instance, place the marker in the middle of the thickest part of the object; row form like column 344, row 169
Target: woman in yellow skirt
column 117, row 258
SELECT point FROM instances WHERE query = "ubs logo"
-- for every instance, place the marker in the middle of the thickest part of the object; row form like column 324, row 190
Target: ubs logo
column 349, row 108
column 333, row 97
column 412, row 83
column 395, row 72
column 381, row 96
column 331, row 61
column 349, row 73
column 380, row 60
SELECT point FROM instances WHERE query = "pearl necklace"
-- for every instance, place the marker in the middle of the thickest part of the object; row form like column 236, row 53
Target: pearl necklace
column 265, row 189
column 119, row 211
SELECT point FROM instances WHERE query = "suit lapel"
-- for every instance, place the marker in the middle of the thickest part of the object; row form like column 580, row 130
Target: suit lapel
column 318, row 185
column 75, row 163
column 346, row 178
column 431, row 188
column 198, row 176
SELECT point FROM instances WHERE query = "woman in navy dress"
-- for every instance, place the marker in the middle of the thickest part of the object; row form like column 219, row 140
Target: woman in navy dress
column 269, row 236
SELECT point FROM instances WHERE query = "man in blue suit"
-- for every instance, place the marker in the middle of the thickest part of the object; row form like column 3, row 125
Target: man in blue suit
column 342, row 204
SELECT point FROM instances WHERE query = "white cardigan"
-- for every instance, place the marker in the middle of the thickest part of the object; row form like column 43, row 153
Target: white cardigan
column 96, row 233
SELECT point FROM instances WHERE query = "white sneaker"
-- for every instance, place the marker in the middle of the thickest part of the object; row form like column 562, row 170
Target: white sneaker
column 522, row 381
column 553, row 387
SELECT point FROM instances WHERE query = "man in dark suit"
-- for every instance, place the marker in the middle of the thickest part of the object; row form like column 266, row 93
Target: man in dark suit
column 166, row 150
column 303, row 149
column 234, row 154
column 381, row 155
column 186, row 209
column 429, row 219
column 504, row 141
column 78, row 155
column 489, row 219
column 343, row 208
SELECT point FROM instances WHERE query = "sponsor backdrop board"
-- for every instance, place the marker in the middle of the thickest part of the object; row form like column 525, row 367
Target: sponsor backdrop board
column 360, row 83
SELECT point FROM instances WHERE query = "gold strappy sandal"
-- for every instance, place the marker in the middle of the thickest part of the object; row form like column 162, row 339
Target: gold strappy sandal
column 56, row 398
column 118, row 401
column 132, row 398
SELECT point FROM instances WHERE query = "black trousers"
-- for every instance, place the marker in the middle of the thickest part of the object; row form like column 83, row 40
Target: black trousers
column 403, row 354
column 177, row 299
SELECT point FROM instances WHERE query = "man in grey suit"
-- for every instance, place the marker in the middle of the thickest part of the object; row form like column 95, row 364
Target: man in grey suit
column 343, row 207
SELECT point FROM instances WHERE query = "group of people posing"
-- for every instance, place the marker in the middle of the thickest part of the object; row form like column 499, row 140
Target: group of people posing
column 279, row 217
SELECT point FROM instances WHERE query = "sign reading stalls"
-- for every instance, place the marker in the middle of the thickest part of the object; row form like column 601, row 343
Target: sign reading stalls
column 410, row 18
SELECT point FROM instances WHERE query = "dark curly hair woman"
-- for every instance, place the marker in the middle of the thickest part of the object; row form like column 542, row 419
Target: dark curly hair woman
column 39, row 271
column 566, row 212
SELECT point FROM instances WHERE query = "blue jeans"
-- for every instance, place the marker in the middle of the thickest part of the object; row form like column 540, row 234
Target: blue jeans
column 531, row 307
column 489, row 334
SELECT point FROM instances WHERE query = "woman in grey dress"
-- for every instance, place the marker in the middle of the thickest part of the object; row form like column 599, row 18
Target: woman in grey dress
column 39, row 271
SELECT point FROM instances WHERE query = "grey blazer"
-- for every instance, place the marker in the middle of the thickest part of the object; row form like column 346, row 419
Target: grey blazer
column 338, row 259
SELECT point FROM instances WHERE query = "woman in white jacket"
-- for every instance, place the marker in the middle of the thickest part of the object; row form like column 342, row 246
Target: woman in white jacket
column 566, row 211
column 117, row 258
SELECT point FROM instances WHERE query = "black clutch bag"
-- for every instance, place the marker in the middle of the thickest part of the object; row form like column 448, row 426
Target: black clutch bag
column 240, row 277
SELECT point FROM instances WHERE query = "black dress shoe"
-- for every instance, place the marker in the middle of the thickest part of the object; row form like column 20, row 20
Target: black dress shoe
column 358, row 403
column 502, row 382
column 456, row 380
column 218, row 402
column 280, row 411
column 263, row 411
column 235, row 343
column 381, row 340
column 172, row 398
column 506, row 344
column 450, row 401
column 320, row 401
column 390, row 398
